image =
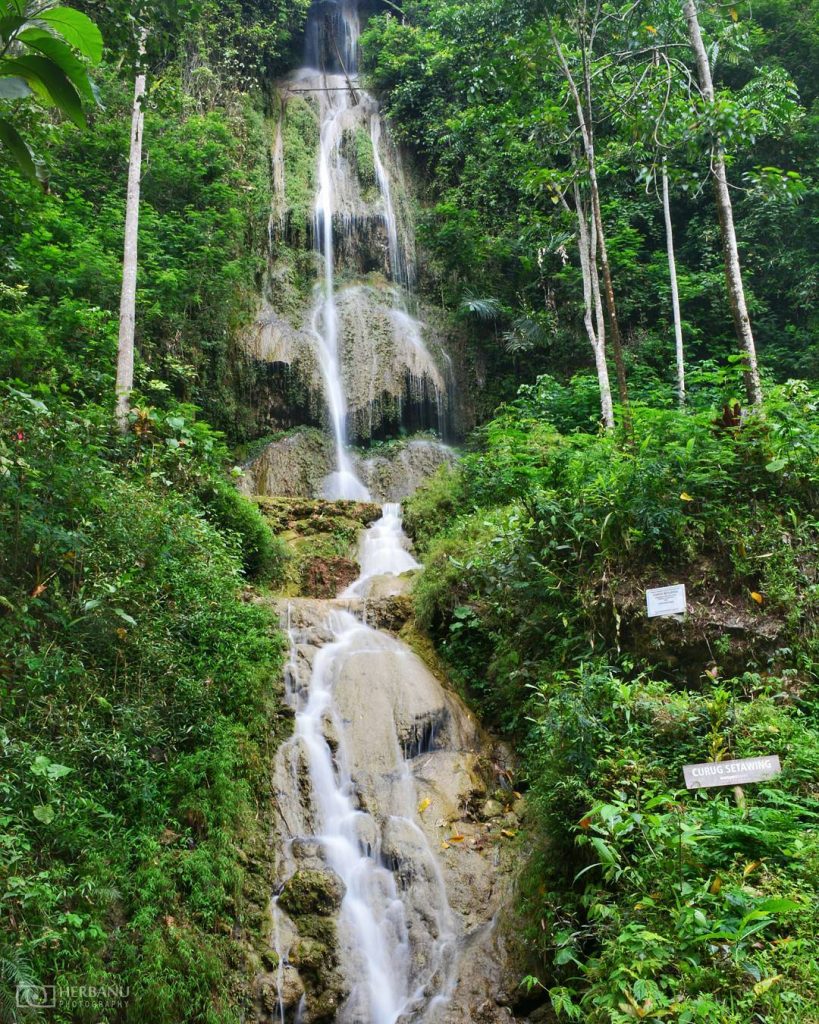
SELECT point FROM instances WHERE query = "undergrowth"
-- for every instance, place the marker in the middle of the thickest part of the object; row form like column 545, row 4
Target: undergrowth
column 640, row 900
column 137, row 702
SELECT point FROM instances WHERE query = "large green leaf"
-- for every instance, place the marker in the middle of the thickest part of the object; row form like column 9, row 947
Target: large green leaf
column 9, row 23
column 77, row 29
column 11, row 139
column 50, row 82
column 63, row 56
column 13, row 87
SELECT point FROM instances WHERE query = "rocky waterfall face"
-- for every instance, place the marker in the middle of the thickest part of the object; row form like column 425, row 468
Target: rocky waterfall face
column 350, row 342
column 390, row 877
column 390, row 885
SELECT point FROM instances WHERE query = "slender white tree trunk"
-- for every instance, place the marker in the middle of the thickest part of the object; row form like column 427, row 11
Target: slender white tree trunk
column 127, row 308
column 592, row 304
column 584, row 123
column 733, row 271
column 675, row 292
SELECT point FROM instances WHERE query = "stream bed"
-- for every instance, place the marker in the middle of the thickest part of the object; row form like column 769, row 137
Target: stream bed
column 391, row 879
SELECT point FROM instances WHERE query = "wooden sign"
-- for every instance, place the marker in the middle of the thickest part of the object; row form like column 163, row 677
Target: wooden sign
column 666, row 601
column 731, row 773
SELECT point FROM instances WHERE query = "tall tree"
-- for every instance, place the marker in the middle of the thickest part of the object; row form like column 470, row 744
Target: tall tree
column 584, row 111
column 127, row 308
column 593, row 318
column 675, row 291
column 733, row 270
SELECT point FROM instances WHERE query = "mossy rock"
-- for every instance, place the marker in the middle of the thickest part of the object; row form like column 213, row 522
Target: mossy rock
column 322, row 929
column 312, row 892
column 327, row 577
column 312, row 957
column 300, row 137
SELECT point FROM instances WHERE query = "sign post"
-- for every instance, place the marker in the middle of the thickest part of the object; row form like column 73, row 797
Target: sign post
column 731, row 773
column 665, row 601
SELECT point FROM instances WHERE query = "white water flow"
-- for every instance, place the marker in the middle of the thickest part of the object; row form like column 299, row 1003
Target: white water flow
column 343, row 483
column 384, row 551
column 339, row 96
column 400, row 266
column 343, row 223
column 396, row 932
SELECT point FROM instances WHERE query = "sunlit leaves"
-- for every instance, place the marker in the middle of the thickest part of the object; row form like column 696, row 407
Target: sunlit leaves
column 78, row 30
column 44, row 54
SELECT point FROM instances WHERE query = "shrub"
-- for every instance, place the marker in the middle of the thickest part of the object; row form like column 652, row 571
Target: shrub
column 263, row 555
column 136, row 697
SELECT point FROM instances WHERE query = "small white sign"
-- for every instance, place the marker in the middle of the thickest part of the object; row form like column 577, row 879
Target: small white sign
column 731, row 773
column 666, row 601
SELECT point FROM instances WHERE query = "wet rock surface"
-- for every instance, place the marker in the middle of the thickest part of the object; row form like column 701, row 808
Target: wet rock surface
column 422, row 769
column 297, row 464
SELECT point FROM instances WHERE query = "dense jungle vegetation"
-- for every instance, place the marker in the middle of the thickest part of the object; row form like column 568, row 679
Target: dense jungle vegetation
column 640, row 901
column 137, row 682
column 137, row 705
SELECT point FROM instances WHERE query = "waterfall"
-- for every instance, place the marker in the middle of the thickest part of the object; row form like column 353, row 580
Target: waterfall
column 395, row 924
column 340, row 96
column 343, row 483
column 384, row 551
column 386, row 898
column 343, row 216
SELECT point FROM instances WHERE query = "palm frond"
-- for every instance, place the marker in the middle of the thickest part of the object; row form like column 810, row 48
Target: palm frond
column 481, row 308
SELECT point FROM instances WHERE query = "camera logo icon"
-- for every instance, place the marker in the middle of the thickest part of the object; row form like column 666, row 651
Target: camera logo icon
column 39, row 997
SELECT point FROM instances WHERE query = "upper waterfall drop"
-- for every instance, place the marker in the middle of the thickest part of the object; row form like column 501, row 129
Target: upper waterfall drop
column 367, row 349
column 342, row 31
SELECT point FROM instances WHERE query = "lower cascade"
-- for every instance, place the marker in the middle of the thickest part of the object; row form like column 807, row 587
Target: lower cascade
column 387, row 902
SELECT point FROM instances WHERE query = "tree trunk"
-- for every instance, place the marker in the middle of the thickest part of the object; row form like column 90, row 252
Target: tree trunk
column 675, row 292
column 586, row 133
column 593, row 306
column 127, row 308
column 733, row 271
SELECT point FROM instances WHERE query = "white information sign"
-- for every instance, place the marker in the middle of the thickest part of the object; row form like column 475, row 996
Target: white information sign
column 731, row 773
column 666, row 601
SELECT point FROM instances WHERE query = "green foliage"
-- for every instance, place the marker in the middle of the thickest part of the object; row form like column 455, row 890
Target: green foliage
column 263, row 555
column 136, row 705
column 300, row 137
column 44, row 54
column 203, row 227
column 640, row 901
column 491, row 131
column 671, row 902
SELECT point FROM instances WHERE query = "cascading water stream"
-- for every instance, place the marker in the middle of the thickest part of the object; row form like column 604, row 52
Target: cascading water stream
column 331, row 74
column 343, row 483
column 401, row 267
column 384, row 551
column 383, row 761
column 382, row 945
